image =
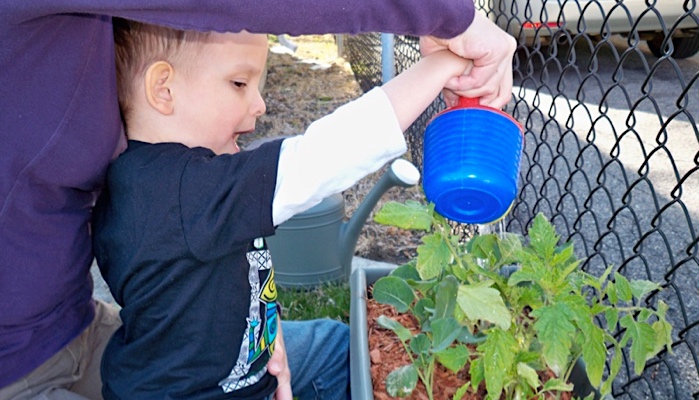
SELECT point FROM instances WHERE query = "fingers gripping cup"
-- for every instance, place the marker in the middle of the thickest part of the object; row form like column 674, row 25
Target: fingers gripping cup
column 471, row 162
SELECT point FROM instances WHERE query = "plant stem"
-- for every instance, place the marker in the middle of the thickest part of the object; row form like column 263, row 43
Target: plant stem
column 425, row 378
column 429, row 379
column 454, row 252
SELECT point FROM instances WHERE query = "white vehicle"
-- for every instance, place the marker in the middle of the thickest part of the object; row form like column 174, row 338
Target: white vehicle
column 599, row 18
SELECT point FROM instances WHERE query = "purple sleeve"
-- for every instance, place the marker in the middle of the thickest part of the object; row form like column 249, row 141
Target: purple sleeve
column 442, row 18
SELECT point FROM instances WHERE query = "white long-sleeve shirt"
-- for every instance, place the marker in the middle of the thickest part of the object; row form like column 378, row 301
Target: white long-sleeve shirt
column 335, row 152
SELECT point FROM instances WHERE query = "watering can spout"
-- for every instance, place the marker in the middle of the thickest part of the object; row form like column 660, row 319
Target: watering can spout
column 401, row 173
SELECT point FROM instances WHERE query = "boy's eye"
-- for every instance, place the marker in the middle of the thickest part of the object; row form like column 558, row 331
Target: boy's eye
column 239, row 84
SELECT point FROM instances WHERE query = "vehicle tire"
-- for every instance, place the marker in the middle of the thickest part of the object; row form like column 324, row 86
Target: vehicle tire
column 684, row 47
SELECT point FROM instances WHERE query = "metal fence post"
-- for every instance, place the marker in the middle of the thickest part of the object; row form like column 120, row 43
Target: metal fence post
column 387, row 57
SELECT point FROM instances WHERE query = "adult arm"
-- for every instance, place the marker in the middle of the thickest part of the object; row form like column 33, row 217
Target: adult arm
column 491, row 50
column 441, row 18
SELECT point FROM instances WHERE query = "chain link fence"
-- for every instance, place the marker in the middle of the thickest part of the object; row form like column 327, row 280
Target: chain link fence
column 608, row 94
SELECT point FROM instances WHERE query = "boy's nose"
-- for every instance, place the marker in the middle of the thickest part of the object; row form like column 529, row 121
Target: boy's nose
column 258, row 106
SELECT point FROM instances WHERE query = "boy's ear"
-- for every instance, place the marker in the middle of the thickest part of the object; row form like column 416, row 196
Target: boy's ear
column 158, row 80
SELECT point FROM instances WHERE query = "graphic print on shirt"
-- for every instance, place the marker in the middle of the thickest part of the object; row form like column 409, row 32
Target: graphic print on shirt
column 262, row 321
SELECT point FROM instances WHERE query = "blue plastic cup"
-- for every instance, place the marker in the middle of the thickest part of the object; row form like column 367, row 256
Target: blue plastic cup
column 471, row 162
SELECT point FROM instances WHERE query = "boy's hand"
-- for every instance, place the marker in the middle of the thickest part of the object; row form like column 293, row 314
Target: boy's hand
column 491, row 50
column 279, row 367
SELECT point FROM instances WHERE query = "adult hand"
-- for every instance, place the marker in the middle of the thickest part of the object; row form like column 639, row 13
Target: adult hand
column 491, row 50
column 279, row 367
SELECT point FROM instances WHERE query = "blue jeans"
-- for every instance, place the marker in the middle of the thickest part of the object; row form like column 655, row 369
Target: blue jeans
column 318, row 355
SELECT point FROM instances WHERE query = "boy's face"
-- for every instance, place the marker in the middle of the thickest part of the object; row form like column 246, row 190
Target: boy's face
column 218, row 97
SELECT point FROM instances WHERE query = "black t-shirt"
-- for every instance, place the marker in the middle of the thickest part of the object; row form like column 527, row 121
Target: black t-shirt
column 176, row 234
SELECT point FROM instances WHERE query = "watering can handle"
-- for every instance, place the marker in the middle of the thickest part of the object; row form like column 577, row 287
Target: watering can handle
column 469, row 101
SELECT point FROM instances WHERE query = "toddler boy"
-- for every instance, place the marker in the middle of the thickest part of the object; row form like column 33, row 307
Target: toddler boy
column 178, row 229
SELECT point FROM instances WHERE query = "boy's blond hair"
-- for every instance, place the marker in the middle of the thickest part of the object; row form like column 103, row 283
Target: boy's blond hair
column 139, row 45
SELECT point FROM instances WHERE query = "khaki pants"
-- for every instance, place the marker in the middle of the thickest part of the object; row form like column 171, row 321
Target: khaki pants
column 74, row 372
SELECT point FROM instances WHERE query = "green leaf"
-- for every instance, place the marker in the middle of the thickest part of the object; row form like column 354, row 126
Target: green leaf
column 484, row 247
column 663, row 332
column 445, row 298
column 407, row 271
column 529, row 375
column 640, row 288
column 444, row 332
column 594, row 353
column 477, row 372
column 663, row 335
column 605, row 275
column 642, row 338
column 525, row 274
column 422, row 309
column 611, row 314
column 531, row 296
column 461, row 391
column 420, row 344
column 460, row 316
column 467, row 337
column 422, row 287
column 542, row 237
column 531, row 358
column 612, row 293
column 623, row 287
column 460, row 269
column 480, row 302
column 598, row 308
column 393, row 291
column 564, row 256
column 432, row 256
column 402, row 332
column 614, row 368
column 556, row 384
column 402, row 381
column 454, row 358
column 644, row 314
column 570, row 267
column 510, row 245
column 662, row 309
column 411, row 215
column 579, row 310
column 472, row 266
column 555, row 331
column 499, row 351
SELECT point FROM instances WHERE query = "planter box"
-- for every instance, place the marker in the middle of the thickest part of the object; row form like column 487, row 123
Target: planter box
column 360, row 364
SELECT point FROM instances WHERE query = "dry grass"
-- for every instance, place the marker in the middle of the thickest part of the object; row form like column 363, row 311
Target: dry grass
column 305, row 86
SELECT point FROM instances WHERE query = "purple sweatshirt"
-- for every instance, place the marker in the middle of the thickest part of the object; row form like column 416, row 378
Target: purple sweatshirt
column 60, row 127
